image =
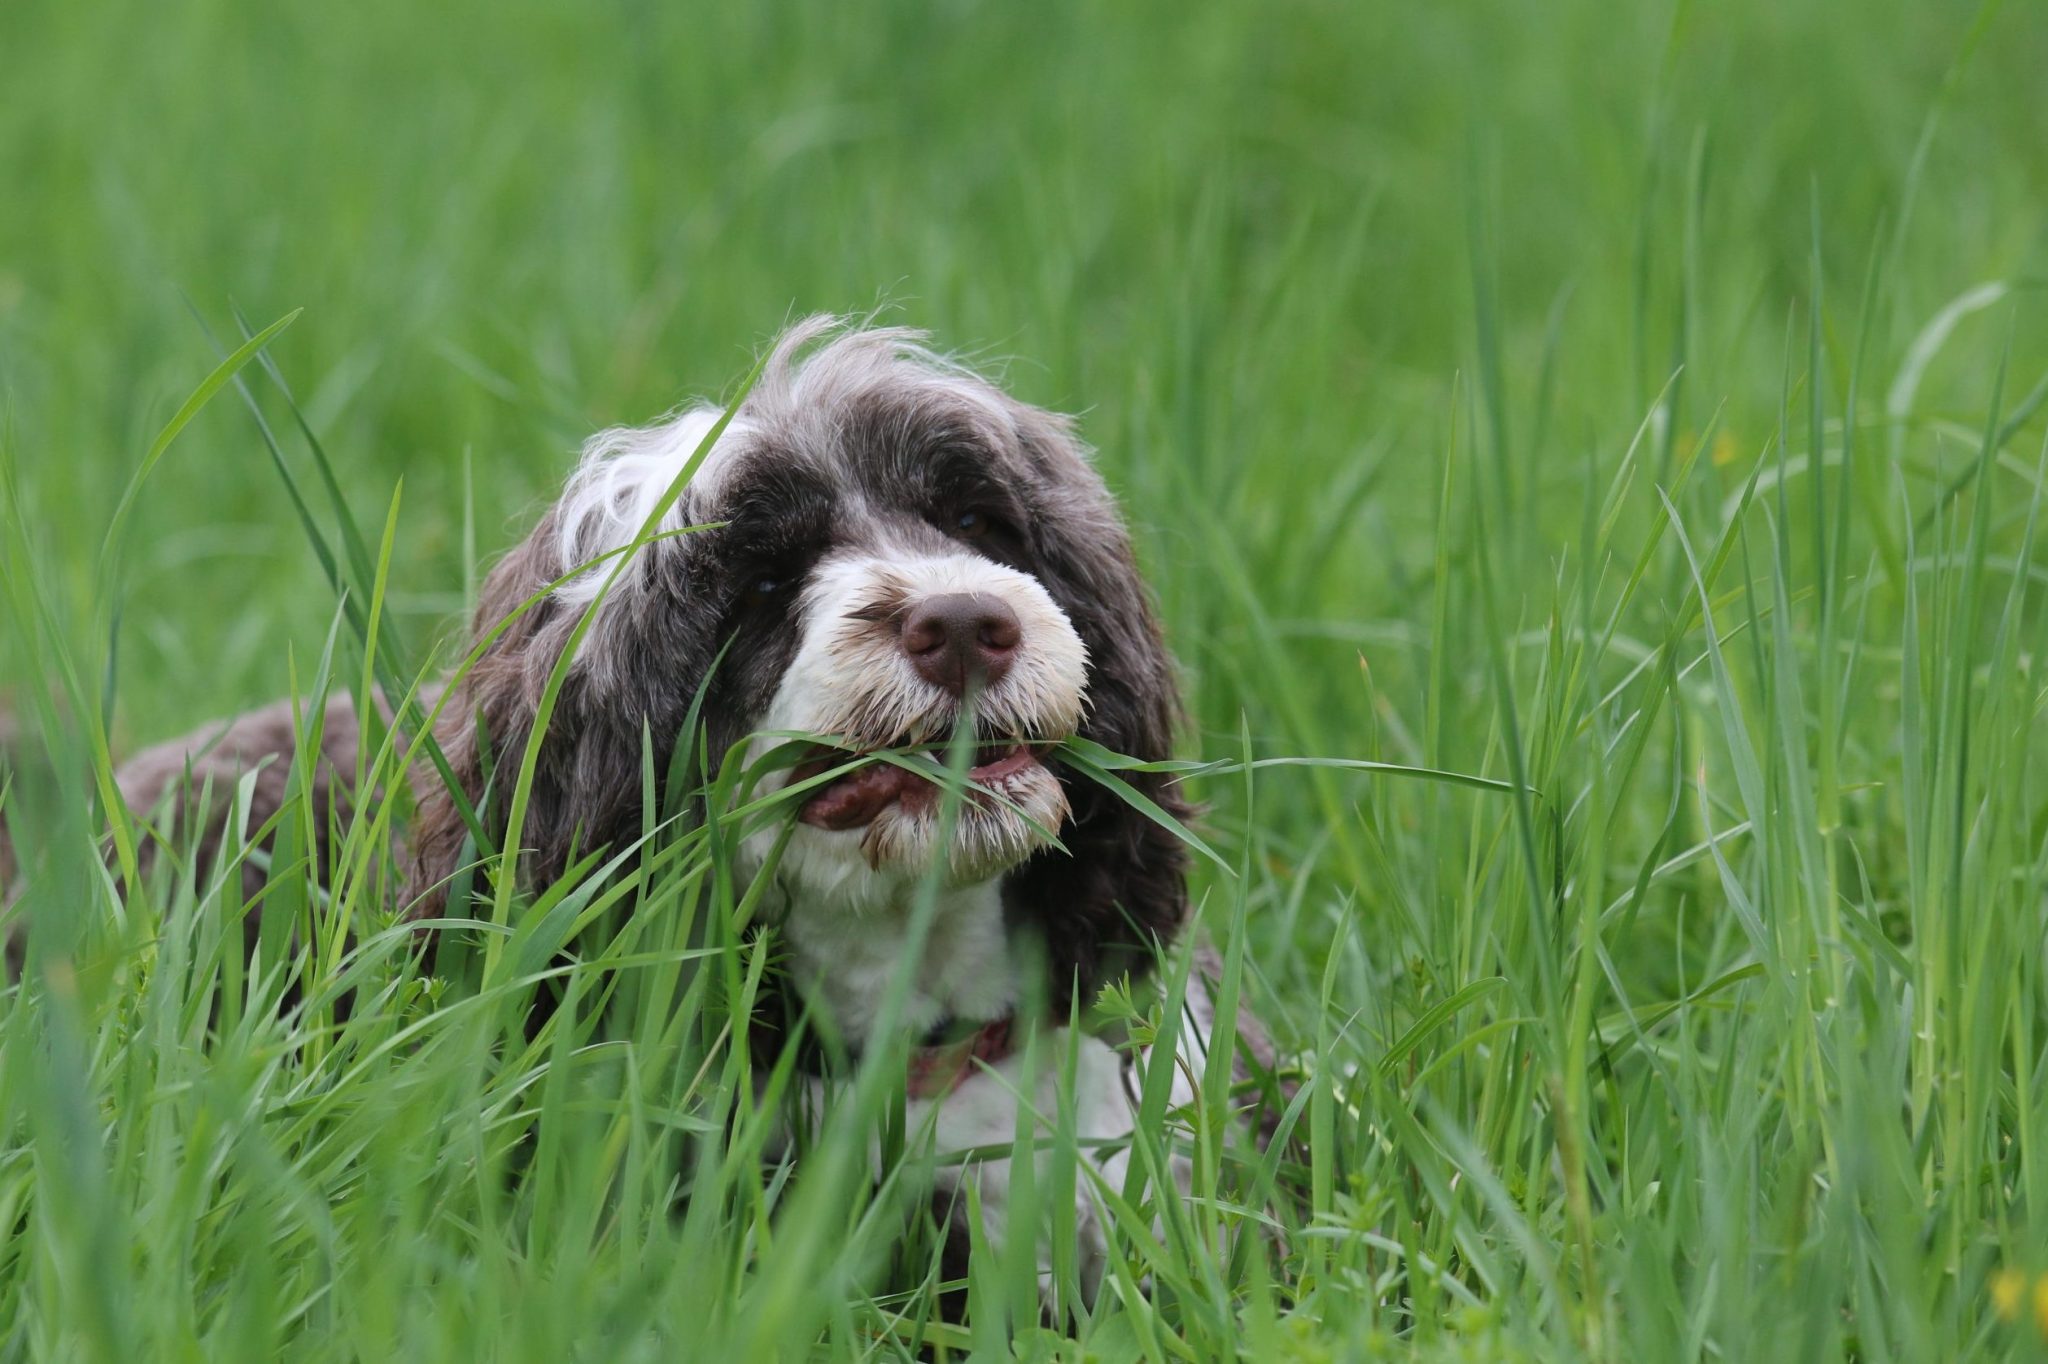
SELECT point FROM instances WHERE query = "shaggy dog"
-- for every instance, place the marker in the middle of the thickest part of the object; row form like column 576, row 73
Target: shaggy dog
column 891, row 538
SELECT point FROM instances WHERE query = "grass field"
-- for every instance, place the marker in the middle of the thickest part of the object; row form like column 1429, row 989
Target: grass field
column 1640, row 406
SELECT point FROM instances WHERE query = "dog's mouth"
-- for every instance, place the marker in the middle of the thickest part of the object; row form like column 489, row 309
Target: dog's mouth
column 857, row 799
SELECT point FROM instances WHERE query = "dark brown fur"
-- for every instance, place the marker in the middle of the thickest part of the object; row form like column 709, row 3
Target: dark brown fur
column 198, row 806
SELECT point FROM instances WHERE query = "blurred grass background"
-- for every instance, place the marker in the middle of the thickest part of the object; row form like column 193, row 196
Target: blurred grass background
column 1291, row 263
column 1238, row 240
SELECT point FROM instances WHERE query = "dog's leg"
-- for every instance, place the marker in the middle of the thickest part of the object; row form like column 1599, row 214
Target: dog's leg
column 1253, row 1059
column 982, row 1113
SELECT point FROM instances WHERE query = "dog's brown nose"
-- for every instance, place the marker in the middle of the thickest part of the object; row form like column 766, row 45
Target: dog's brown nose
column 961, row 635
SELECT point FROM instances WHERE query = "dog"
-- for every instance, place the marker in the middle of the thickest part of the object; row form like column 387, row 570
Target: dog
column 874, row 540
column 890, row 530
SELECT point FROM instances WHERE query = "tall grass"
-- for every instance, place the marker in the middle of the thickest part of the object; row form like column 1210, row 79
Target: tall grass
column 1638, row 411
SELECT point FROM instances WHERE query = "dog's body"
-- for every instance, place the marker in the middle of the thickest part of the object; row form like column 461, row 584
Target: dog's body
column 891, row 540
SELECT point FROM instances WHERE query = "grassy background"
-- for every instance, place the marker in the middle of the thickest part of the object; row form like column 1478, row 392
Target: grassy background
column 1390, row 324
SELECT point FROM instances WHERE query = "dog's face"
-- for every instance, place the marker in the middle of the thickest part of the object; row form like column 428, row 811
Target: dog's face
column 891, row 539
column 889, row 632
column 876, row 566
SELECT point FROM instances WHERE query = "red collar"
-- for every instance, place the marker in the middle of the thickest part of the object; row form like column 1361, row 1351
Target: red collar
column 935, row 1070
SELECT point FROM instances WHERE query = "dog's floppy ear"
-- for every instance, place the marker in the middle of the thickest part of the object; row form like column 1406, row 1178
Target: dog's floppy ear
column 1121, row 884
column 487, row 714
column 587, row 782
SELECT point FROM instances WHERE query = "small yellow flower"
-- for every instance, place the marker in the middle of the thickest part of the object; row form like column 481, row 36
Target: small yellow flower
column 1725, row 450
column 2007, row 1285
column 2041, row 1304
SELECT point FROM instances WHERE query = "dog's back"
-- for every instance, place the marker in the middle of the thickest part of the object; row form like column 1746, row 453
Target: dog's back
column 183, row 792
column 262, row 742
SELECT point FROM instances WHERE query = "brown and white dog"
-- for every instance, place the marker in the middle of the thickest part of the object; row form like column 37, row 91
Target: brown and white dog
column 890, row 533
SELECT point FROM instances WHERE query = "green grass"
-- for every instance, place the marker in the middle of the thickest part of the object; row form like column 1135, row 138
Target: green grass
column 1463, row 369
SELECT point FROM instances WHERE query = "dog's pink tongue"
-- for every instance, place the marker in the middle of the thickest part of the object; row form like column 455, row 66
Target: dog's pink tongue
column 855, row 799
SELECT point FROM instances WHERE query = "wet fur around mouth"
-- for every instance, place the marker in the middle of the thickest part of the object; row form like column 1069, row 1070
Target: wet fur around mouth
column 854, row 799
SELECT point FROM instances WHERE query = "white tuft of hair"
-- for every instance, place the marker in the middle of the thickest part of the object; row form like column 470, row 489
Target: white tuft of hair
column 623, row 474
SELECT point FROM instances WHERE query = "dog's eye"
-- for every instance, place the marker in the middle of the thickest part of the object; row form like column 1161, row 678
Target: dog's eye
column 990, row 532
column 761, row 591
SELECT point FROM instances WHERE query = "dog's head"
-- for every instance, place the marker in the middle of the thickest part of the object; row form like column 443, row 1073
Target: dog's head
column 891, row 536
